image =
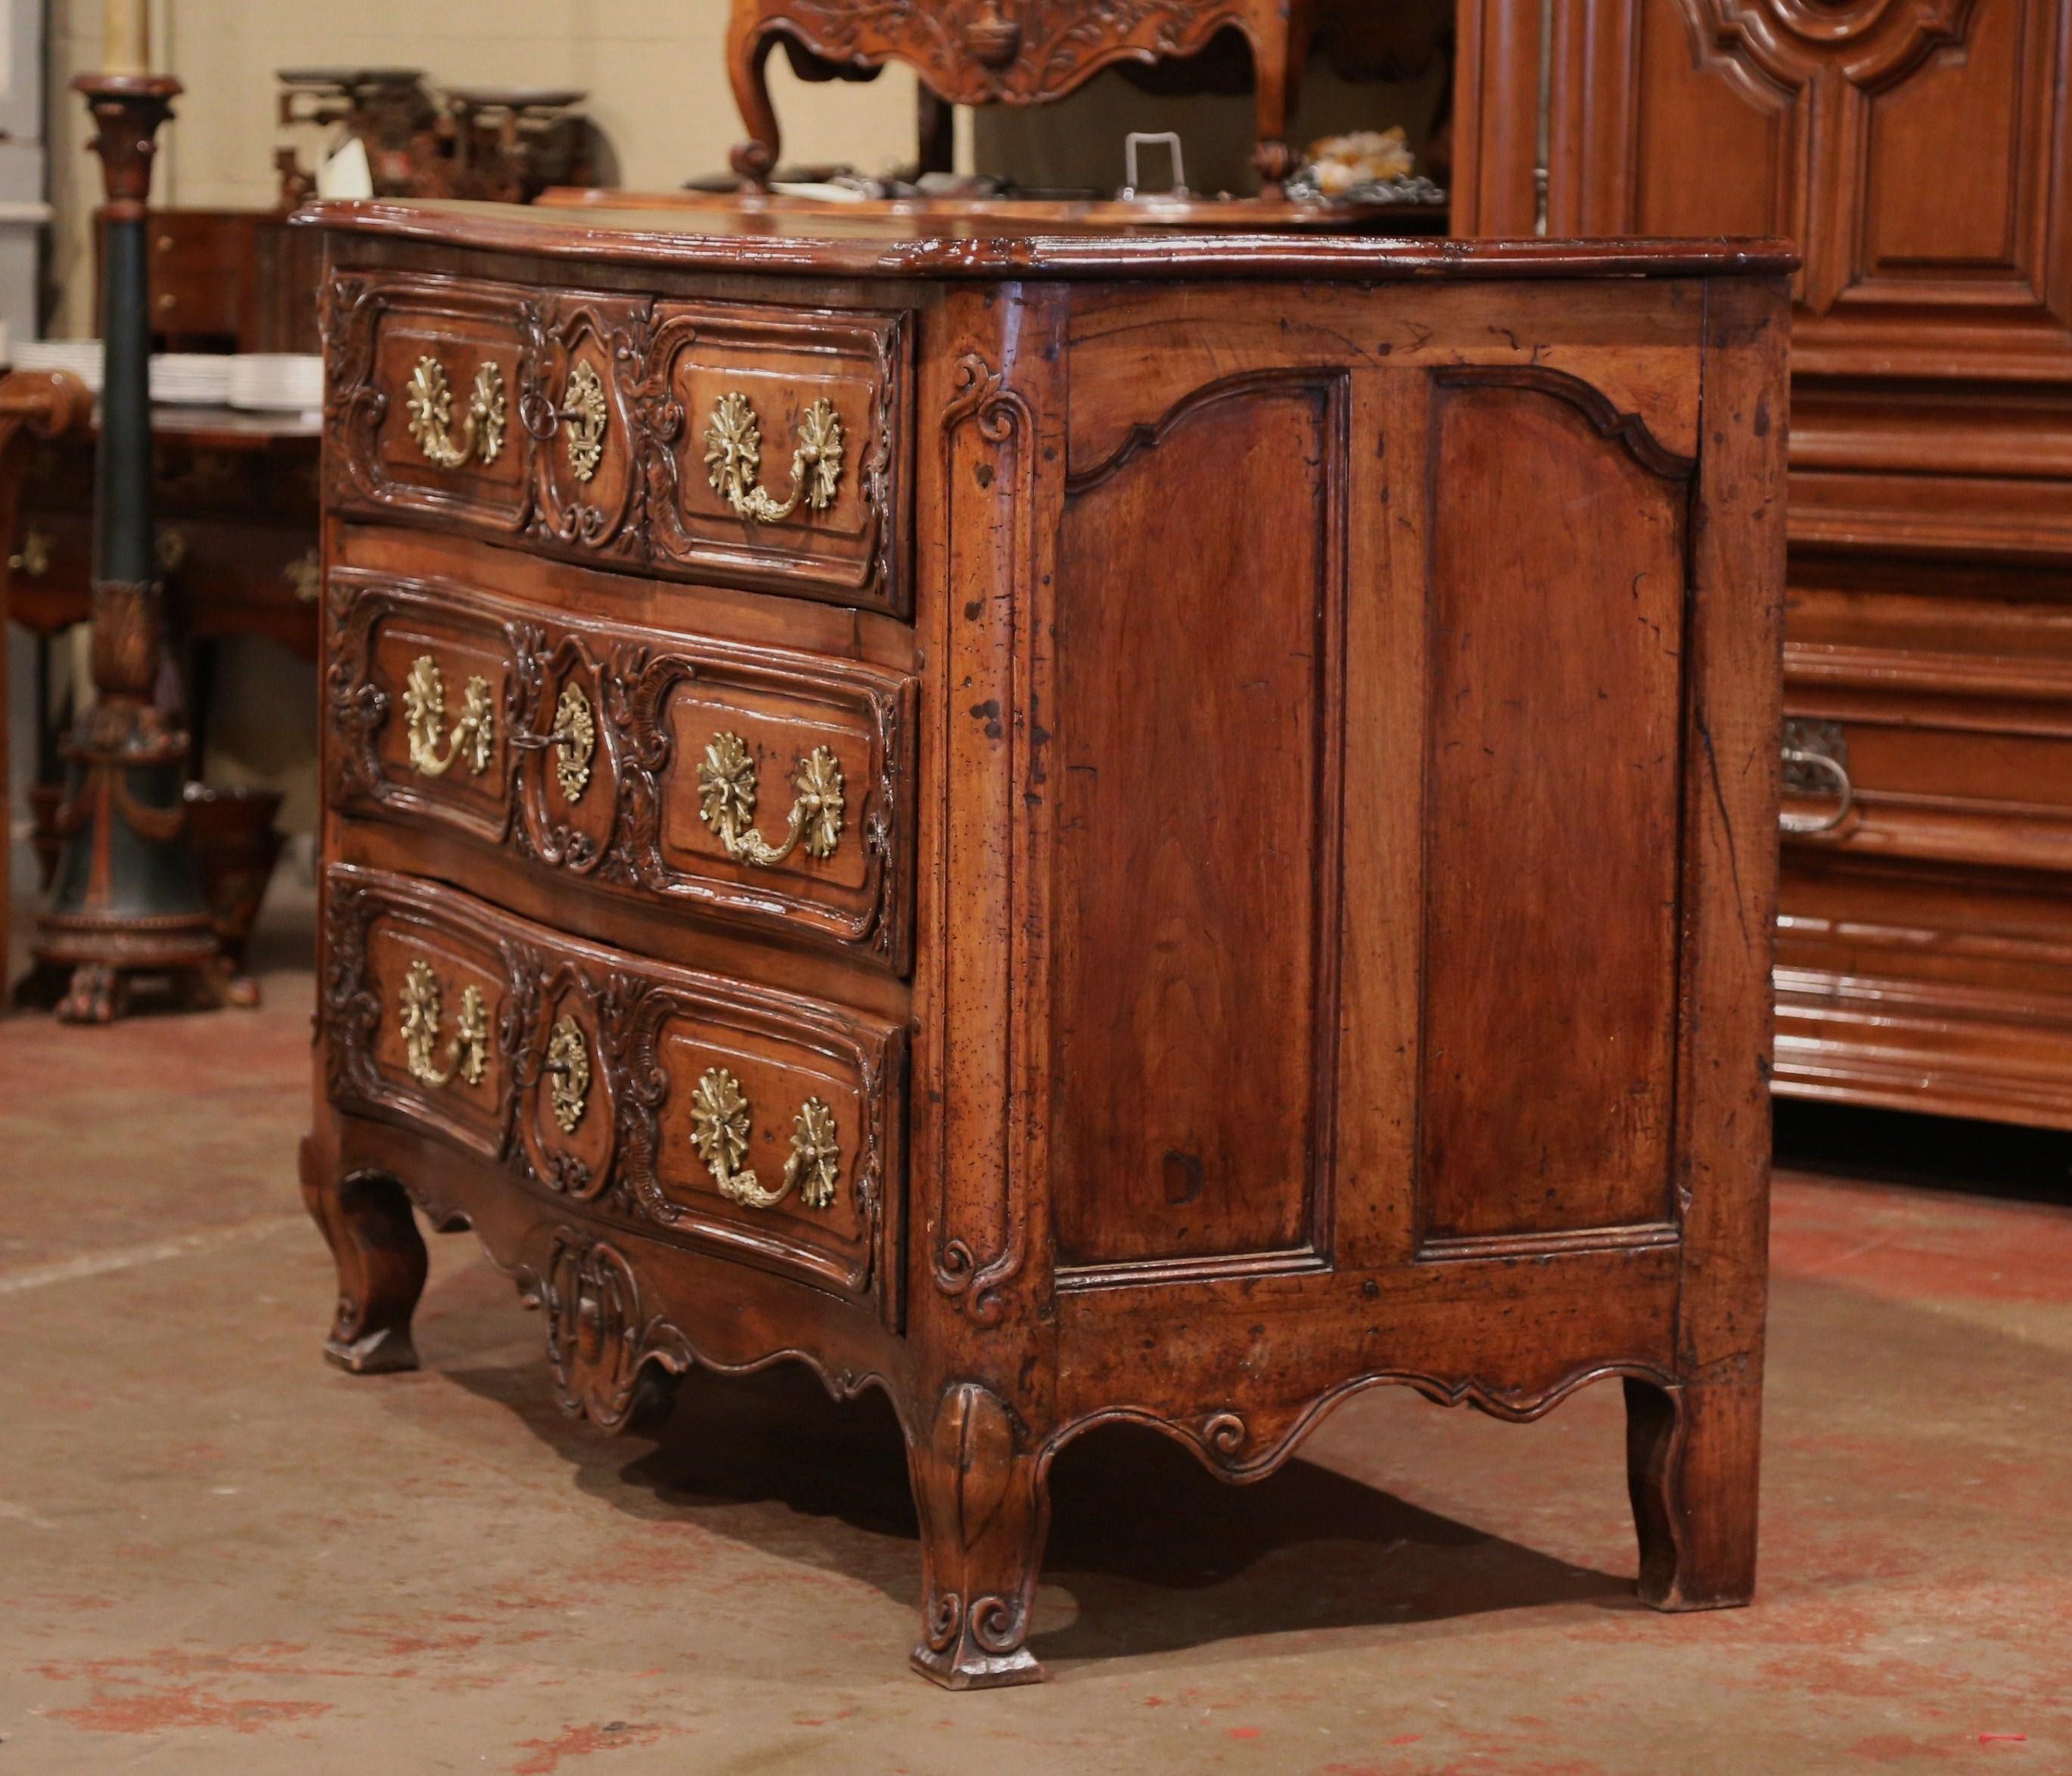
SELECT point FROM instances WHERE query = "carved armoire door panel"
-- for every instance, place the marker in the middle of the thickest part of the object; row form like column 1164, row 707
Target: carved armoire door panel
column 1908, row 149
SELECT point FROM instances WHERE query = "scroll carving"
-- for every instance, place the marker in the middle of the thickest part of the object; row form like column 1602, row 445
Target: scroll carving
column 601, row 1340
column 980, row 397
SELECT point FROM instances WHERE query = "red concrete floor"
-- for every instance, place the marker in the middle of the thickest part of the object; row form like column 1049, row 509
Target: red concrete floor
column 218, row 1556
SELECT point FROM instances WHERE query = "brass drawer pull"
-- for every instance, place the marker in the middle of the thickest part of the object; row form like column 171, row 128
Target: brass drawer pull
column 467, row 1055
column 726, row 804
column 425, row 713
column 567, row 1065
column 429, row 402
column 734, row 460
column 574, row 734
column 37, row 549
column 1816, row 760
column 588, row 414
column 721, row 1125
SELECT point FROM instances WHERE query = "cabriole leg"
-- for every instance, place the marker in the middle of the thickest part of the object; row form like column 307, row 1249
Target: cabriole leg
column 373, row 1237
column 1692, row 1458
column 985, row 1508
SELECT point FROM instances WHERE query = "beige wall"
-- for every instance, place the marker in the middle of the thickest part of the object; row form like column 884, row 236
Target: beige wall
column 652, row 69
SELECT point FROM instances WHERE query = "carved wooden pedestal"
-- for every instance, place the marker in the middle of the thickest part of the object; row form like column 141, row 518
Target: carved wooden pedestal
column 1076, row 830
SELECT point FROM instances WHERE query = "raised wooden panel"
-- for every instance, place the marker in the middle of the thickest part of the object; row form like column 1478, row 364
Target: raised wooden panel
column 1195, row 783
column 784, row 363
column 1718, row 147
column 1551, row 848
column 1913, row 152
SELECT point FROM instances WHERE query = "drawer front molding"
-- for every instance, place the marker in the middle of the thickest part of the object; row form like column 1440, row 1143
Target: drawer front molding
column 610, row 1080
column 644, row 429
column 585, row 764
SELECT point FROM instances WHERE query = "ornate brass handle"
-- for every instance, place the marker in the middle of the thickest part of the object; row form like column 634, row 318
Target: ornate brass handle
column 1816, row 757
column 32, row 561
column 734, row 460
column 587, row 414
column 467, row 1055
column 721, row 1125
column 726, row 804
column 429, row 402
column 567, row 1065
column 574, row 735
column 425, row 713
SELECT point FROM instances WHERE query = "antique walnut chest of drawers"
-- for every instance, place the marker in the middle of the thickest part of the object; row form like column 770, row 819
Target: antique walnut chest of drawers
column 1074, row 829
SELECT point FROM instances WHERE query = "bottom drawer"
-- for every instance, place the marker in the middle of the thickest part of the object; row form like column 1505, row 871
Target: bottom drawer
column 690, row 1105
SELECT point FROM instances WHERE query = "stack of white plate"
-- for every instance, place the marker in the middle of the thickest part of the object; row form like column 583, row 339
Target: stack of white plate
column 81, row 357
column 276, row 382
column 191, row 379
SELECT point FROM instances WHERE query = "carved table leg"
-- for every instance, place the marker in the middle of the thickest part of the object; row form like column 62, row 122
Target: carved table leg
column 373, row 1237
column 985, row 1508
column 748, row 56
column 1691, row 1464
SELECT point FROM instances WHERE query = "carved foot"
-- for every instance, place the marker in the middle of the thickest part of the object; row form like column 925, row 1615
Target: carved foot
column 985, row 1508
column 215, row 985
column 1692, row 1458
column 373, row 1237
column 97, row 994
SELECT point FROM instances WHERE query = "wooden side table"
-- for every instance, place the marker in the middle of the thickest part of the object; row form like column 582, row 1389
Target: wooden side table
column 40, row 403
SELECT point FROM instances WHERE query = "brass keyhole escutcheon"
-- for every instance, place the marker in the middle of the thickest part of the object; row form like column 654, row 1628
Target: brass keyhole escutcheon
column 587, row 415
column 734, row 460
column 424, row 715
column 429, row 403
column 567, row 1065
column 721, row 1124
column 421, row 1013
column 727, row 796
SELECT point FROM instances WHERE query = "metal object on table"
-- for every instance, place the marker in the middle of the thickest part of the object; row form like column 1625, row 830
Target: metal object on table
column 1816, row 763
column 1169, row 139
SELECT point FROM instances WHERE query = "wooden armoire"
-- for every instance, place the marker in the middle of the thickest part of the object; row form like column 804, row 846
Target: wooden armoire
column 1916, row 149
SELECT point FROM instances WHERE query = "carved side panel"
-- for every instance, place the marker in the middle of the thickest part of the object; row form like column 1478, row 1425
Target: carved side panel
column 1551, row 852
column 1197, row 720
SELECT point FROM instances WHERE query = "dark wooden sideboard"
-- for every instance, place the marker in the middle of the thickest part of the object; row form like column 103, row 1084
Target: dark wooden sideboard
column 1076, row 828
column 1921, row 154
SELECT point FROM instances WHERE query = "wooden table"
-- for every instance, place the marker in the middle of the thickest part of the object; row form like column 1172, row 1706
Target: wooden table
column 33, row 404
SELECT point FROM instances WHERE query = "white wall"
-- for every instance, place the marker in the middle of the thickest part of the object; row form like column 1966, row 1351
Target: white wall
column 653, row 69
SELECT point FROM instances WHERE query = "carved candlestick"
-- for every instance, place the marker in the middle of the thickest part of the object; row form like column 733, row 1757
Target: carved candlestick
column 127, row 898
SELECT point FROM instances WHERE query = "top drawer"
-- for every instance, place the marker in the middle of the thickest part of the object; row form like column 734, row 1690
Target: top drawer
column 734, row 444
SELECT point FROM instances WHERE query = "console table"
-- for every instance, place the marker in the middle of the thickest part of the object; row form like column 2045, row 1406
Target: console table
column 1074, row 827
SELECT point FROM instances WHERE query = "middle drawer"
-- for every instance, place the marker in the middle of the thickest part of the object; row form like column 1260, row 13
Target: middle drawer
column 760, row 786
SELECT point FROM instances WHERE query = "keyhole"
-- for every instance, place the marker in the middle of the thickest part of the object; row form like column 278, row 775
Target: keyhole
column 1184, row 1177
